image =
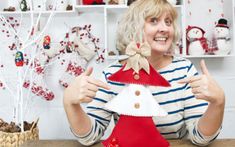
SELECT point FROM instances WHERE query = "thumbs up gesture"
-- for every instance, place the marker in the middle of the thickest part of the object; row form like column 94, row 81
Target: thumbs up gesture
column 83, row 89
column 205, row 87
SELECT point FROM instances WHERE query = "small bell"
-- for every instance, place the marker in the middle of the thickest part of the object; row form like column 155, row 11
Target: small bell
column 19, row 59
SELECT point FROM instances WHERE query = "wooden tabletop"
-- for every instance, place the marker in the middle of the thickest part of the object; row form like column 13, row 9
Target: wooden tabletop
column 74, row 143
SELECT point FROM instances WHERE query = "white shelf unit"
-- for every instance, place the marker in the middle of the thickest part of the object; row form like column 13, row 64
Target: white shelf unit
column 205, row 15
column 109, row 16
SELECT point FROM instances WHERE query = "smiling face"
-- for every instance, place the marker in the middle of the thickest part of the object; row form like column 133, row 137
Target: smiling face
column 221, row 32
column 159, row 32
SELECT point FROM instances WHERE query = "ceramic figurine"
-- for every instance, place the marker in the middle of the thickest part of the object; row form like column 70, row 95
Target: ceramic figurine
column 23, row 5
column 222, row 38
column 196, row 42
column 19, row 59
column 46, row 42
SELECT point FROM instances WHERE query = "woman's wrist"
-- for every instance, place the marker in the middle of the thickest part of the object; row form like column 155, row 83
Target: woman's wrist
column 220, row 101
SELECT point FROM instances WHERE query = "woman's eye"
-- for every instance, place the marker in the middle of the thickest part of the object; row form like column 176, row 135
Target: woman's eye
column 154, row 20
column 168, row 22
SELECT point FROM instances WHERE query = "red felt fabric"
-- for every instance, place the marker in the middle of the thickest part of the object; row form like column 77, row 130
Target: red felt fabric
column 127, row 77
column 90, row 2
column 131, row 131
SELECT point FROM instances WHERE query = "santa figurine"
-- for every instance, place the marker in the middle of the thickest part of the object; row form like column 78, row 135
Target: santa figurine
column 196, row 42
column 222, row 38
column 135, row 103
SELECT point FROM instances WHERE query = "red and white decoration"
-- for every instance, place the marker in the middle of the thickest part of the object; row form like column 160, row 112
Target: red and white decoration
column 19, row 60
column 207, row 19
column 135, row 103
column 75, row 66
column 222, row 36
column 80, row 46
column 38, row 85
column 196, row 42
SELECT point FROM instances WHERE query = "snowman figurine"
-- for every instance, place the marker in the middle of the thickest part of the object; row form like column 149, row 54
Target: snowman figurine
column 222, row 38
column 196, row 42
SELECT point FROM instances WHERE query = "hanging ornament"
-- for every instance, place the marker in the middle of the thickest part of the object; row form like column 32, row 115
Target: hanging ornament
column 68, row 45
column 46, row 42
column 19, row 59
column 23, row 5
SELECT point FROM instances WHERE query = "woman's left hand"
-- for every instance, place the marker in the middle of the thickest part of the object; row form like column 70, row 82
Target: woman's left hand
column 205, row 87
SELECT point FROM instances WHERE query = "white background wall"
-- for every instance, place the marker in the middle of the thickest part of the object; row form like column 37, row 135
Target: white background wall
column 53, row 123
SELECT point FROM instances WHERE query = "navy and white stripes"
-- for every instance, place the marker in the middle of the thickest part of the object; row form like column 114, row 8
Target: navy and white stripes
column 183, row 108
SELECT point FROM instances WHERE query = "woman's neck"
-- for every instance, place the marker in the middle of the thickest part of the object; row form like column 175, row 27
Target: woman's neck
column 159, row 61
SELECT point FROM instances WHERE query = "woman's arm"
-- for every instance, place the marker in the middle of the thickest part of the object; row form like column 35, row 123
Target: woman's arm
column 205, row 87
column 82, row 90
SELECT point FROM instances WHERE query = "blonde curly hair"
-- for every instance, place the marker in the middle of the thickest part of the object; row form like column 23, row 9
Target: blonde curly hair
column 131, row 25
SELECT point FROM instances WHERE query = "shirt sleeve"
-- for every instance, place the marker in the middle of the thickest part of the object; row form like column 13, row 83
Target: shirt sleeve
column 99, row 116
column 193, row 110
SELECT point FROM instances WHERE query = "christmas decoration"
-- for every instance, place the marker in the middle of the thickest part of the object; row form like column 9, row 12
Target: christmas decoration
column 75, row 67
column 93, row 2
column 135, row 103
column 46, row 42
column 222, row 37
column 81, row 50
column 38, row 85
column 113, row 2
column 23, row 5
column 196, row 42
column 1, row 85
column 21, row 61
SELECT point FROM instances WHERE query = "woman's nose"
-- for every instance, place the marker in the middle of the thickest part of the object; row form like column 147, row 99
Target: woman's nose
column 162, row 26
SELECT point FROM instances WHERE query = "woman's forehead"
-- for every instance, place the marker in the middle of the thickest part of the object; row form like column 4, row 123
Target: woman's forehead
column 163, row 14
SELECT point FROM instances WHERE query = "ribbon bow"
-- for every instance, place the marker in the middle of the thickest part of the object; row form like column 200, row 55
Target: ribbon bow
column 137, row 56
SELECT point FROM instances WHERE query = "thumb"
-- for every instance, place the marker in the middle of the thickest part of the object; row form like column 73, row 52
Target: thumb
column 88, row 71
column 204, row 68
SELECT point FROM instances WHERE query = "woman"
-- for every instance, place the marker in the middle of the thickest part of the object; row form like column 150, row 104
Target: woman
column 186, row 101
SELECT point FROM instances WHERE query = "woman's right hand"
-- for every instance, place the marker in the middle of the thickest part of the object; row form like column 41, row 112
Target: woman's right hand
column 83, row 89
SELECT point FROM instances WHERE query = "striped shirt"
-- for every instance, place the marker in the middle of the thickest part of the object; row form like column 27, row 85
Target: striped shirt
column 184, row 110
